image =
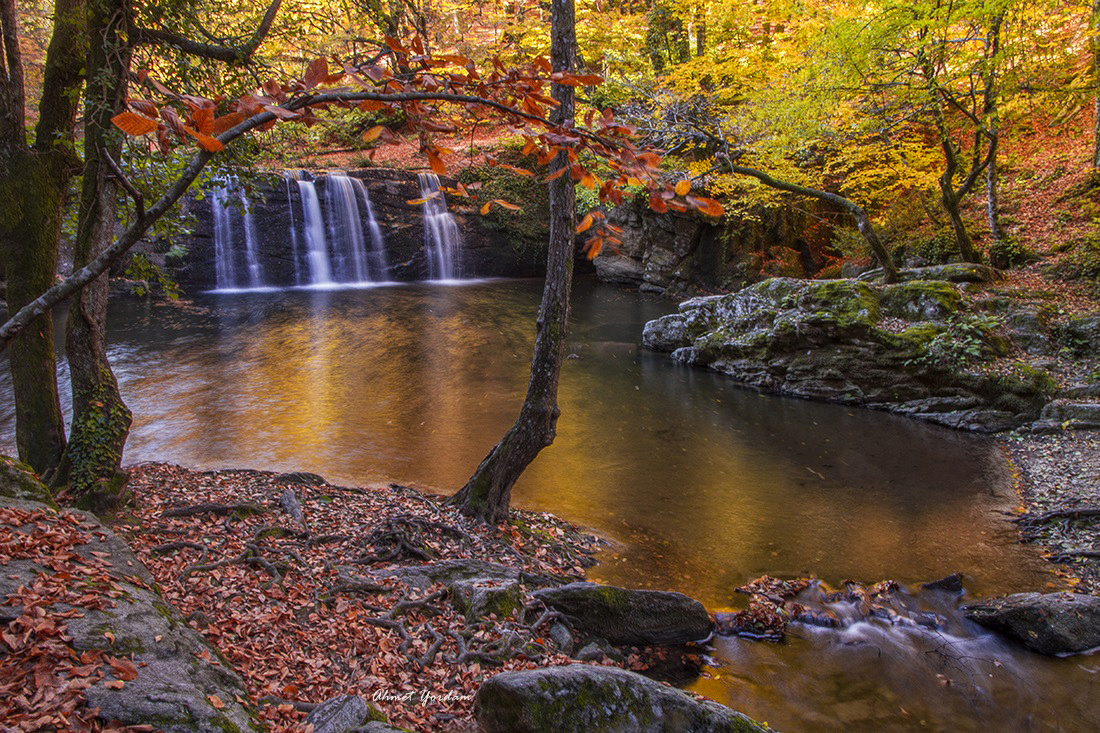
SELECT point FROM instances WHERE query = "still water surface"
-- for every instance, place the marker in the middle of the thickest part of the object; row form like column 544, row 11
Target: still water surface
column 698, row 485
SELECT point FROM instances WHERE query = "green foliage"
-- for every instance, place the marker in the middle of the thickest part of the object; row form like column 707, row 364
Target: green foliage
column 1010, row 252
column 1083, row 259
column 529, row 227
column 937, row 249
column 145, row 273
column 966, row 338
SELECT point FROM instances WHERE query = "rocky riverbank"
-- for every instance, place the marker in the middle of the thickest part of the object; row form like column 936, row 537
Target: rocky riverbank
column 252, row 600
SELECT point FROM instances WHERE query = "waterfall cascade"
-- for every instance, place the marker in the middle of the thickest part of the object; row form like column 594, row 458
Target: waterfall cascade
column 441, row 237
column 227, row 255
column 329, row 236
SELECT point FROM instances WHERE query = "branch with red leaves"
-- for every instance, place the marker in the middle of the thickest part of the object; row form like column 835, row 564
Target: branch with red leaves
column 516, row 95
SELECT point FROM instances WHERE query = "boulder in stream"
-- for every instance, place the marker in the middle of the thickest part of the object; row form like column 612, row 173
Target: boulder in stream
column 581, row 698
column 1049, row 623
column 634, row 617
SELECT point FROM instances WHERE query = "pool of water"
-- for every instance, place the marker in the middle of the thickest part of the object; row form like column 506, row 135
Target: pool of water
column 697, row 484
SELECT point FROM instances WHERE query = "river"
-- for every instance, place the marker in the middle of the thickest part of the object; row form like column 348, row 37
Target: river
column 697, row 485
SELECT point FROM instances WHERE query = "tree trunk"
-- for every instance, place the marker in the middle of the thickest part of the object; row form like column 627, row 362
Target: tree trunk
column 1094, row 26
column 487, row 493
column 33, row 185
column 950, row 203
column 37, row 192
column 101, row 420
column 863, row 222
column 992, row 203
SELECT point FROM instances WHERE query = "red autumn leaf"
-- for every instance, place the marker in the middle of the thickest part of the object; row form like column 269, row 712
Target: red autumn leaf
column 316, row 72
column 145, row 107
column 207, row 143
column 216, row 701
column 134, row 124
column 226, row 122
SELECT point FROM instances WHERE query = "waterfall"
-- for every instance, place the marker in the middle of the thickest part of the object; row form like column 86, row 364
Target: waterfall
column 376, row 252
column 441, row 237
column 295, row 247
column 319, row 271
column 225, row 251
column 223, row 239
column 334, row 237
column 255, row 278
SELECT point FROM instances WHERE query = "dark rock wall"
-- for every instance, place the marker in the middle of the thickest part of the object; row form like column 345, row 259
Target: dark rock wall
column 682, row 253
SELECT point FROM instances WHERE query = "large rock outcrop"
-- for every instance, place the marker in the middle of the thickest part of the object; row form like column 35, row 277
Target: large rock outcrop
column 680, row 253
column 581, row 698
column 1049, row 623
column 180, row 684
column 906, row 348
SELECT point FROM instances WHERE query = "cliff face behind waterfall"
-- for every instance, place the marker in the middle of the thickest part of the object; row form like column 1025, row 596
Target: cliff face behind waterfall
column 281, row 245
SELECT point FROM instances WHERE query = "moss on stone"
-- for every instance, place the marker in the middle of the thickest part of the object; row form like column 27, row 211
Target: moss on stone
column 17, row 481
column 920, row 300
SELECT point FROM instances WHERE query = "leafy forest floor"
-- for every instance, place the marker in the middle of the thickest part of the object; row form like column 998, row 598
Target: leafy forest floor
column 290, row 579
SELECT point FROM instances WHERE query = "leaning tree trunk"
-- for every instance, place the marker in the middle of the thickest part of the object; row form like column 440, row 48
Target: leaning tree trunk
column 34, row 181
column 101, row 420
column 486, row 494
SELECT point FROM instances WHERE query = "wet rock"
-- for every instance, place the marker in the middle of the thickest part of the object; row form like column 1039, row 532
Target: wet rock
column 1050, row 623
column 883, row 347
column 614, row 268
column 953, row 583
column 635, row 617
column 477, row 598
column 954, row 272
column 343, row 714
column 1084, row 333
column 302, row 477
column 173, row 684
column 581, row 698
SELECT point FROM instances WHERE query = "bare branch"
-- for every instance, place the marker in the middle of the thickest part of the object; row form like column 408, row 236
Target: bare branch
column 139, row 200
column 218, row 52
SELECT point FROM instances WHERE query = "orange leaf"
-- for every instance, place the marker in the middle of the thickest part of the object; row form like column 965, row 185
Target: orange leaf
column 395, row 45
column 134, row 124
column 657, row 204
column 216, row 701
column 437, row 164
column 683, row 187
column 207, row 143
column 145, row 107
column 114, row 684
column 226, row 122
column 590, row 181
column 373, row 133
column 586, row 222
column 485, row 208
column 556, row 174
column 710, row 207
column 203, row 120
column 281, row 112
column 506, row 205
column 594, row 247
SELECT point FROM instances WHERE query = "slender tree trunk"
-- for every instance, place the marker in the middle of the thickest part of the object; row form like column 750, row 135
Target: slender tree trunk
column 34, row 182
column 993, row 200
column 950, row 201
column 101, row 420
column 1094, row 26
column 487, row 493
column 992, row 115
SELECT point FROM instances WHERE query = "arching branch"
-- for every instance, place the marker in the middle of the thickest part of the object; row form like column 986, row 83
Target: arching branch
column 216, row 52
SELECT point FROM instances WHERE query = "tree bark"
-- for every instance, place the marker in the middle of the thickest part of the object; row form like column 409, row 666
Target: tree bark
column 487, row 493
column 101, row 420
column 33, row 186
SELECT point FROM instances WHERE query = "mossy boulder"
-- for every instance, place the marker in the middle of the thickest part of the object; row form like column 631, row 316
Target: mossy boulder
column 343, row 714
column 912, row 348
column 477, row 598
column 633, row 617
column 581, row 698
column 177, row 670
column 17, row 481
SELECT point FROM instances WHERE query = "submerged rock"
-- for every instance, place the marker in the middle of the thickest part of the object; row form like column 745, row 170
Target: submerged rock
column 1050, row 623
column 634, row 617
column 581, row 698
column 904, row 348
